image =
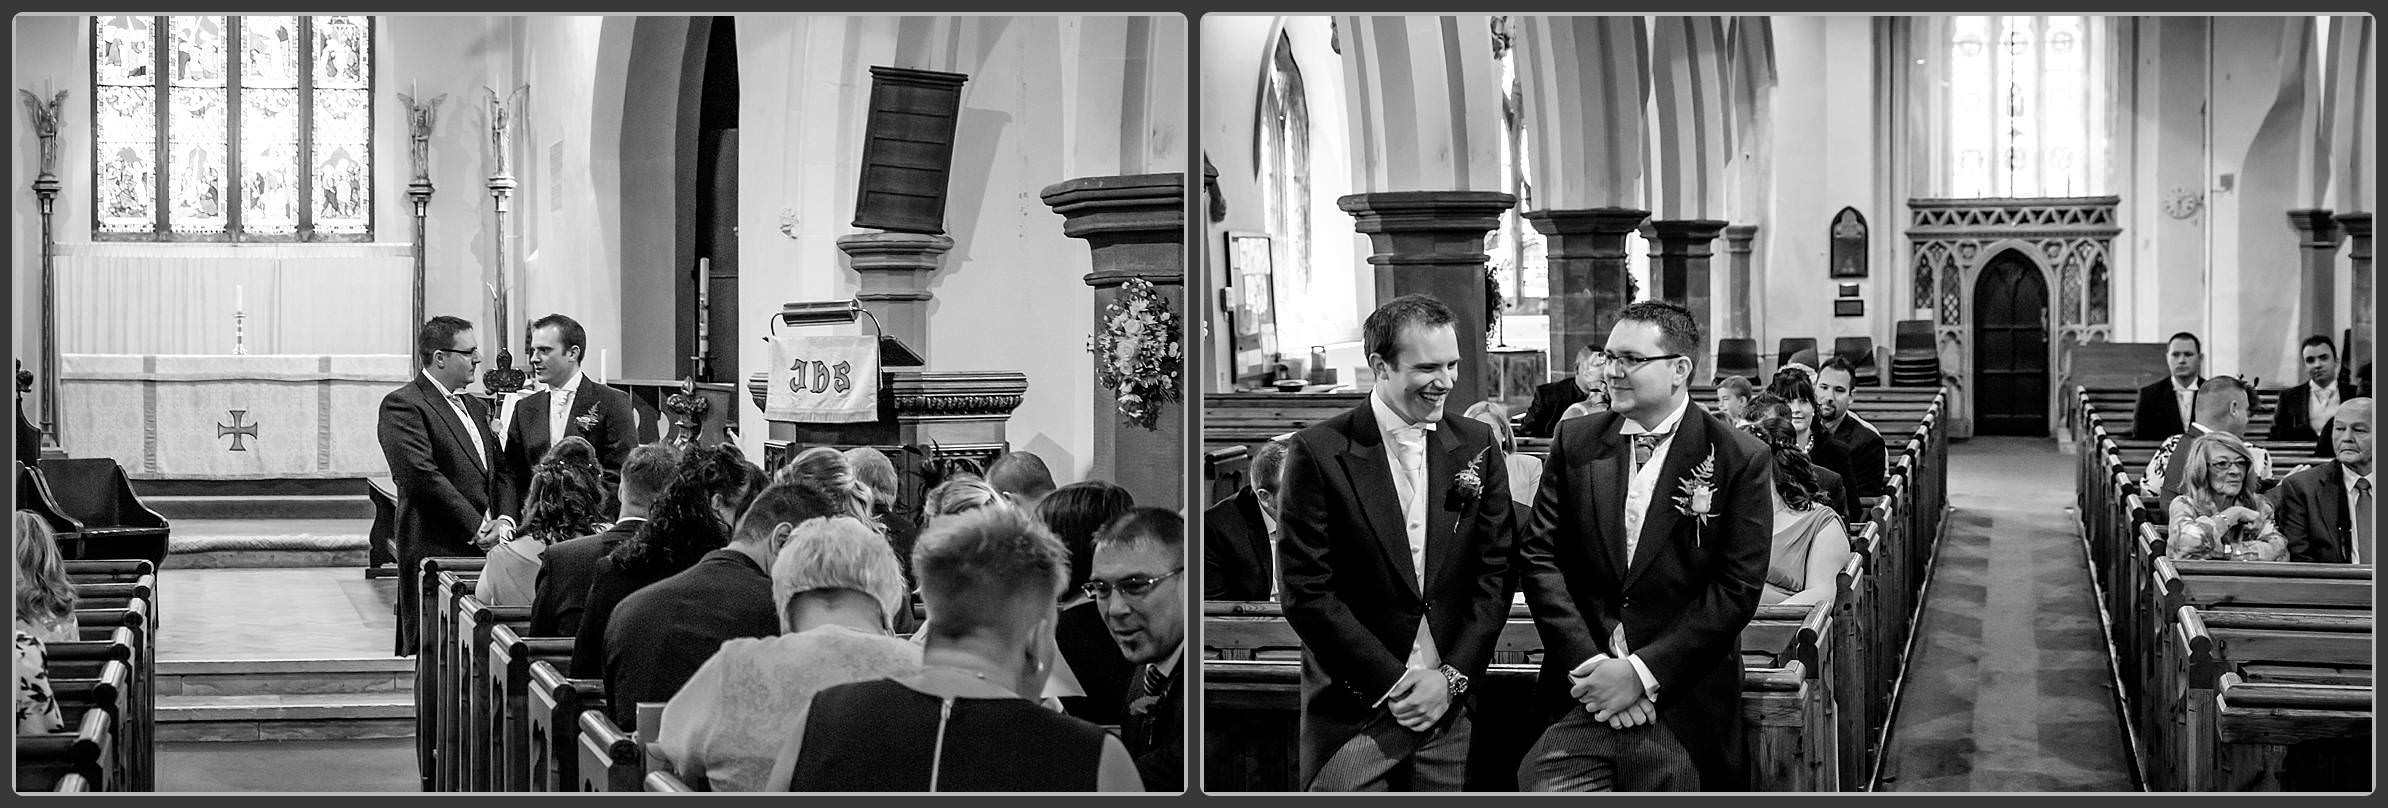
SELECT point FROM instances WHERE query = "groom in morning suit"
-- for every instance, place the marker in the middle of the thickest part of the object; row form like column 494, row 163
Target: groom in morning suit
column 1393, row 561
column 573, row 405
column 443, row 460
column 1639, row 597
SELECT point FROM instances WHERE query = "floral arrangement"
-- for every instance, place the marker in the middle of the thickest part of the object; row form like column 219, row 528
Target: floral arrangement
column 1137, row 355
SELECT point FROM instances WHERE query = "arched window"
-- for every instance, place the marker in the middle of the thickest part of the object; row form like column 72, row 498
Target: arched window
column 1284, row 145
column 212, row 128
column 2024, row 107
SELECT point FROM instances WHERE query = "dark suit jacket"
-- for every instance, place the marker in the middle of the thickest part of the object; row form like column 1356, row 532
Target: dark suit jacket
column 443, row 488
column 1683, row 597
column 609, row 585
column 527, row 435
column 1095, row 658
column 1869, row 456
column 2312, row 510
column 563, row 583
column 1157, row 739
column 663, row 632
column 1235, row 549
column 2290, row 422
column 1551, row 400
column 2156, row 417
column 1346, row 579
column 1828, row 452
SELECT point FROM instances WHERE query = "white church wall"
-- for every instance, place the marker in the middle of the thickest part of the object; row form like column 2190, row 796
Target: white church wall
column 45, row 57
column 2258, row 98
column 1823, row 111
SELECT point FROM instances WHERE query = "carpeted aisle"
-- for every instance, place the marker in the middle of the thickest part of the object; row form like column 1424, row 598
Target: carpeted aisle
column 2008, row 687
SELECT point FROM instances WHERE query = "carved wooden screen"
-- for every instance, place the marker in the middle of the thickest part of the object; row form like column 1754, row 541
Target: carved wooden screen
column 908, row 149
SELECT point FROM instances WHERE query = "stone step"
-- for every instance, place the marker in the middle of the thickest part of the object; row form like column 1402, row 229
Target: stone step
column 260, row 506
column 226, row 543
column 285, row 717
column 254, row 677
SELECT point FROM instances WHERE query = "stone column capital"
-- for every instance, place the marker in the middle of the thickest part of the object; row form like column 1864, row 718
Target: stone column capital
column 1134, row 224
column 1399, row 213
column 1689, row 233
column 2357, row 225
column 2315, row 228
column 1587, row 233
column 1738, row 237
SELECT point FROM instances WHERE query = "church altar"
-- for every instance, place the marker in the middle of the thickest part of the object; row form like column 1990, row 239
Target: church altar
column 179, row 298
column 287, row 416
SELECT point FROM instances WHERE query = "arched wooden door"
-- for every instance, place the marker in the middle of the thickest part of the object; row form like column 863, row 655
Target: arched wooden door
column 2010, row 308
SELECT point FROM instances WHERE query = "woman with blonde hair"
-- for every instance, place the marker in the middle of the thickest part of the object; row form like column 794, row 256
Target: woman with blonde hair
column 825, row 469
column 1525, row 470
column 45, row 596
column 959, row 495
column 2218, row 514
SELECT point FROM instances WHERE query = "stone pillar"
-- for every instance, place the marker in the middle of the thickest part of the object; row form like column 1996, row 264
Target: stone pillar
column 1679, row 265
column 2357, row 227
column 1588, row 275
column 1432, row 243
column 1737, row 280
column 2317, row 256
column 1135, row 227
column 895, row 269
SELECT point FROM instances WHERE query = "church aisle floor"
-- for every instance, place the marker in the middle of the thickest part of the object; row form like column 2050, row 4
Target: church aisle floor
column 386, row 766
column 287, row 613
column 2008, row 687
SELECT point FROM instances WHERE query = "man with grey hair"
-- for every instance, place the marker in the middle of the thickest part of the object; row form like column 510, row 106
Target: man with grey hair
column 836, row 587
column 1138, row 584
column 2325, row 511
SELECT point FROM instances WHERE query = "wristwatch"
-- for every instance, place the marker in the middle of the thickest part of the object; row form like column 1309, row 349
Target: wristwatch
column 1456, row 681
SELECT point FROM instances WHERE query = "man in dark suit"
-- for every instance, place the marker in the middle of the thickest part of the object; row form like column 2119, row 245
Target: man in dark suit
column 2223, row 404
column 660, row 634
column 1796, row 387
column 1552, row 399
column 562, row 587
column 2166, row 405
column 1643, row 560
column 573, row 405
column 2325, row 511
column 1239, row 534
column 443, row 461
column 1138, row 563
column 1869, row 459
column 1393, row 560
column 2305, row 410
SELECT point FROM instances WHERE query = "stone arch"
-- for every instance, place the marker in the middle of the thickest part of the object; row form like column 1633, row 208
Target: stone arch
column 1426, row 99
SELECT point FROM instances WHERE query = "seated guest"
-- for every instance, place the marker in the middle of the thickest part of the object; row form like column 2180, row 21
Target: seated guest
column 1074, row 513
column 1810, row 540
column 2325, row 511
column 1829, row 486
column 1869, row 459
column 566, row 501
column 1552, row 399
column 37, row 706
column 1796, row 386
column 2218, row 514
column 2223, row 404
column 2166, row 405
column 837, row 588
column 1525, row 470
column 827, row 468
column 1596, row 401
column 1239, row 534
column 2305, row 410
column 1139, row 560
column 872, row 468
column 964, row 722
column 562, row 585
column 960, row 495
column 661, row 633
column 711, row 488
column 45, row 595
column 1022, row 478
column 1733, row 400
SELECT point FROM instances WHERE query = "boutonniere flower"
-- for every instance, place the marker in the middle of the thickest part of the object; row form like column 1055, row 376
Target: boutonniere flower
column 1698, row 499
column 588, row 420
column 1468, row 484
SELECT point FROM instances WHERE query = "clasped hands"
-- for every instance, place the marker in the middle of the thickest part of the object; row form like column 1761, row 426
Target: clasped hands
column 1611, row 690
column 1419, row 698
column 493, row 532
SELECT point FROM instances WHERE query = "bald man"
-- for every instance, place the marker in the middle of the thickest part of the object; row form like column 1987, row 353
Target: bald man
column 2325, row 510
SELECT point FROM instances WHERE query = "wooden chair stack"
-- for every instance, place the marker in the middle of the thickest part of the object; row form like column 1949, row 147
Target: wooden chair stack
column 2236, row 676
column 105, row 684
column 1817, row 687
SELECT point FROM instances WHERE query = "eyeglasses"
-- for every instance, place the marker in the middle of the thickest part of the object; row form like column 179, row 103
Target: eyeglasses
column 2227, row 465
column 1628, row 364
column 1134, row 586
column 475, row 353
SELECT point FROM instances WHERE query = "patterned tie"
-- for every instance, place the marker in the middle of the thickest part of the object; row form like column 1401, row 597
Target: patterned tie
column 2361, row 513
column 1156, row 682
column 1644, row 445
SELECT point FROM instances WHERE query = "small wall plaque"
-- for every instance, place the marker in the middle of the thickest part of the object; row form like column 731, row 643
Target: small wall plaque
column 1849, row 308
column 1849, row 244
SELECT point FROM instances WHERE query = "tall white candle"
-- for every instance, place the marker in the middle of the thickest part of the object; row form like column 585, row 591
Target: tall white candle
column 239, row 299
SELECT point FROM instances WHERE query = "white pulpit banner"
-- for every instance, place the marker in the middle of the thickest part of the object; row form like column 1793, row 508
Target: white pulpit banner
column 823, row 380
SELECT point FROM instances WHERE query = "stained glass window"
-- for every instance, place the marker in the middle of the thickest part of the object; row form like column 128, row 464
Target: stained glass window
column 232, row 128
column 2025, row 106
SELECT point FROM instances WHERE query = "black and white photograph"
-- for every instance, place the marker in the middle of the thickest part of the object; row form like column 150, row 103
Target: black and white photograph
column 638, row 403
column 1944, row 404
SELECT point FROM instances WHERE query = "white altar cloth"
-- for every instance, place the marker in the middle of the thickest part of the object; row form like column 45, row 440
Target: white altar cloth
column 228, row 417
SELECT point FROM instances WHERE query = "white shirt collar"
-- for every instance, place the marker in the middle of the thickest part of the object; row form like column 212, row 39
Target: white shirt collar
column 2323, row 388
column 1390, row 423
column 572, row 383
column 2347, row 478
column 2178, row 387
column 1673, row 420
column 444, row 392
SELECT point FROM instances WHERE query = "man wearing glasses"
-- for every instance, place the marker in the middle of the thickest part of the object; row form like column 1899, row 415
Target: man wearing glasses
column 1136, row 582
column 442, row 460
column 1393, row 561
column 1642, row 561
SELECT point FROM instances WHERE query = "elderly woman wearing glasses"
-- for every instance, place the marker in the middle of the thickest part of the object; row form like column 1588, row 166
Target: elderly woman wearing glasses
column 2219, row 516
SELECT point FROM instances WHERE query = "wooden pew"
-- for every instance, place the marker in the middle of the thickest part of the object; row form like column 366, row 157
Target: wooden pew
column 90, row 660
column 2282, row 737
column 96, row 492
column 444, row 581
column 102, row 625
column 104, row 695
column 476, row 735
column 556, row 704
column 56, row 761
column 664, row 782
column 2274, row 647
column 510, row 658
column 610, row 760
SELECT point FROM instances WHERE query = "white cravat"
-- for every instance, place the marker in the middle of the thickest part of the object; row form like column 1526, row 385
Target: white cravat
column 1406, row 459
column 2186, row 399
column 2321, row 406
column 456, row 404
column 559, row 408
column 1639, row 491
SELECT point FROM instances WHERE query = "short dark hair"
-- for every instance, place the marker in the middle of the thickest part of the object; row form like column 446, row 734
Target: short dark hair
column 568, row 331
column 1678, row 333
column 2216, row 385
column 1766, row 405
column 2320, row 340
column 439, row 334
column 1020, row 474
column 648, row 471
column 1736, row 384
column 1144, row 523
column 1839, row 363
column 1381, row 331
column 2192, row 338
column 789, row 503
column 1268, row 465
column 1792, row 385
